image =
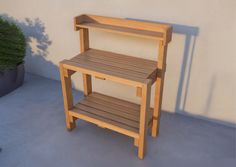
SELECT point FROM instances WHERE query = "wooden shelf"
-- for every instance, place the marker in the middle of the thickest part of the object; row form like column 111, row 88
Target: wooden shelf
column 115, row 65
column 122, row 30
column 124, row 26
column 109, row 112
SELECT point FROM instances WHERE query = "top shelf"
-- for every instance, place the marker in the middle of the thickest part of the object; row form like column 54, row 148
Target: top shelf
column 123, row 26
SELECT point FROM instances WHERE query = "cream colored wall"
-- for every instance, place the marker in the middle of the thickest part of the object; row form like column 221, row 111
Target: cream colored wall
column 203, row 86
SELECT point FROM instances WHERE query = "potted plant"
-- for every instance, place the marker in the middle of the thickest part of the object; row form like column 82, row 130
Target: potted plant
column 12, row 53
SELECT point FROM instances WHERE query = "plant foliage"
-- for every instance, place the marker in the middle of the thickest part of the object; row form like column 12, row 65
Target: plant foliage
column 12, row 45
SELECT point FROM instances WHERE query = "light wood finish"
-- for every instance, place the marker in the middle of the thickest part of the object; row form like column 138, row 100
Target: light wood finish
column 139, row 91
column 100, row 78
column 84, row 46
column 68, row 99
column 144, row 110
column 123, row 26
column 109, row 112
column 136, row 142
column 116, row 65
column 161, row 65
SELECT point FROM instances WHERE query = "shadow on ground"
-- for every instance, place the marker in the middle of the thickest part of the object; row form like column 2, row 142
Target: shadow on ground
column 33, row 133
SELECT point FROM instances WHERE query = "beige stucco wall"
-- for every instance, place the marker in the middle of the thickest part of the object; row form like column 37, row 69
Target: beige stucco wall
column 201, row 65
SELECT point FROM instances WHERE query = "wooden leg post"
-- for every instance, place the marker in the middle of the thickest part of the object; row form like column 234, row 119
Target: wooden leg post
column 157, row 107
column 87, row 84
column 136, row 142
column 67, row 96
column 159, row 89
column 144, row 108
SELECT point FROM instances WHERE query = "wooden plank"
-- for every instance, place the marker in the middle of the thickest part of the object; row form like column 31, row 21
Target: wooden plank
column 84, row 45
column 107, row 115
column 144, row 109
column 123, row 30
column 104, row 61
column 84, row 40
column 100, row 78
column 136, row 142
column 87, row 82
column 110, row 68
column 104, row 73
column 159, row 89
column 125, row 26
column 114, row 100
column 67, row 97
column 112, row 108
column 119, row 104
column 73, row 66
column 109, row 124
column 122, row 58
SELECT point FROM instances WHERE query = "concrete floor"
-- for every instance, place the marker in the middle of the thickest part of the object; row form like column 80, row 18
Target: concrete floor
column 33, row 134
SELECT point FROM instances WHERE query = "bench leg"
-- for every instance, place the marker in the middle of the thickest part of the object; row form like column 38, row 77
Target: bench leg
column 136, row 142
column 157, row 107
column 87, row 84
column 144, row 108
column 161, row 65
column 67, row 96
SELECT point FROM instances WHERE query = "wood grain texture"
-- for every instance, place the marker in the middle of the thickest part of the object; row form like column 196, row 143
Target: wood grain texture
column 125, row 26
column 109, row 112
column 161, row 65
column 67, row 96
column 143, row 125
column 113, row 64
column 112, row 111
column 84, row 46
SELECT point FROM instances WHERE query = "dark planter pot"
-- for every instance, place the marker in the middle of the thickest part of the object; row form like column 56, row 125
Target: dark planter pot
column 11, row 79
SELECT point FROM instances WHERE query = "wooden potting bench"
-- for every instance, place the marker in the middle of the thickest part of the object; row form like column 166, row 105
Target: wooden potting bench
column 106, row 111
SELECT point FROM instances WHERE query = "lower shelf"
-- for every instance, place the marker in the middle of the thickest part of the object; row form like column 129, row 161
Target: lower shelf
column 109, row 112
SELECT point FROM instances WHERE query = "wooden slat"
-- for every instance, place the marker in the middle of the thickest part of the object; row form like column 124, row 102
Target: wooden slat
column 145, row 107
column 107, row 115
column 113, row 100
column 106, row 66
column 127, row 67
column 84, row 46
column 90, row 69
column 113, row 108
column 120, row 104
column 73, row 66
column 117, row 60
column 123, row 58
column 106, row 123
column 88, row 18
column 110, row 110
column 137, row 67
column 159, row 89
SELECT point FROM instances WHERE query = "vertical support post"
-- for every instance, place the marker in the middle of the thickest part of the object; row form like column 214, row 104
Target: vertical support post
column 84, row 45
column 136, row 142
column 67, row 97
column 161, row 66
column 144, row 109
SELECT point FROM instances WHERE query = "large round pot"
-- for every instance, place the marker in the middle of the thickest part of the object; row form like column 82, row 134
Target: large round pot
column 11, row 79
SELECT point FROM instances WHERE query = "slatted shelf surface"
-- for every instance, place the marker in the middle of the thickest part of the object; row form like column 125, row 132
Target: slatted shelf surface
column 113, row 64
column 113, row 111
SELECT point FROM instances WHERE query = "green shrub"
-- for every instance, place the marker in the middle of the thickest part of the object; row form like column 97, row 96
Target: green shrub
column 12, row 45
